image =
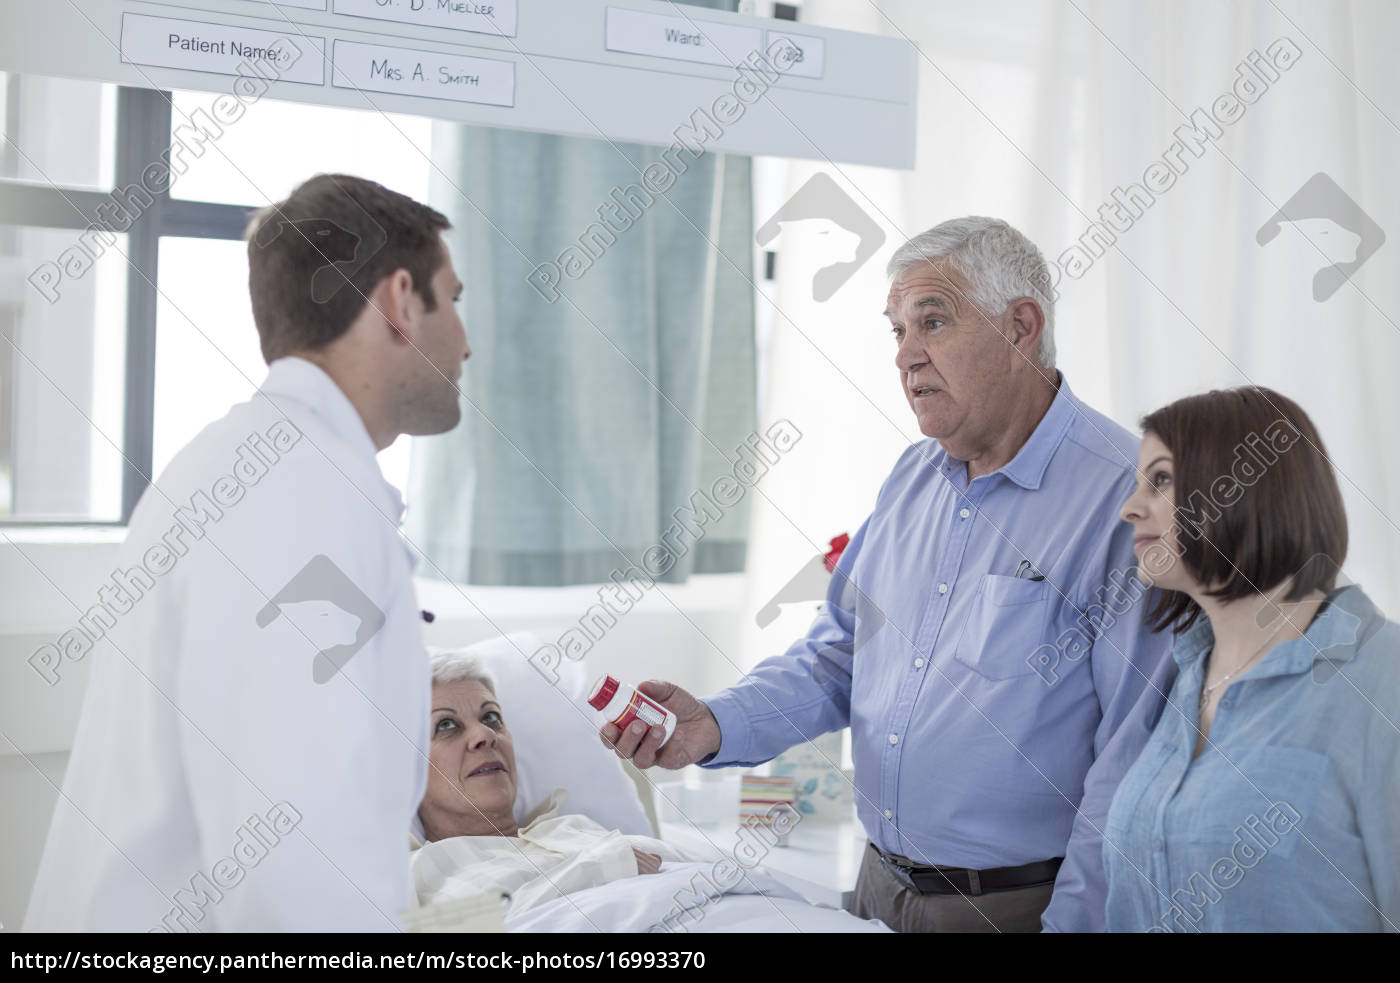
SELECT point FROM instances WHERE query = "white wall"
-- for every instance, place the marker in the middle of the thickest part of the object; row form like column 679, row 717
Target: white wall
column 1035, row 113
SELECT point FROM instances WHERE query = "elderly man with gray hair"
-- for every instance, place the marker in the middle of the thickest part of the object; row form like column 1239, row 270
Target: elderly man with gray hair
column 982, row 637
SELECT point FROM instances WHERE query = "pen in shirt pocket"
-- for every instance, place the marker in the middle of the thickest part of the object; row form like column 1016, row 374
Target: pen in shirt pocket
column 1024, row 570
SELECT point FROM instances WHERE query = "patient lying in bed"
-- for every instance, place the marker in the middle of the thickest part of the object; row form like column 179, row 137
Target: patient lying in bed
column 474, row 843
column 566, row 873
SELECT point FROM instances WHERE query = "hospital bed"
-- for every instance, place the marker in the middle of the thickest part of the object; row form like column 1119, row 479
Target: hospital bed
column 557, row 746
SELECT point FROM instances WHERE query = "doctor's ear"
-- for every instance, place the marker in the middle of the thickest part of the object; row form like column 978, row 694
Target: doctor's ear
column 393, row 298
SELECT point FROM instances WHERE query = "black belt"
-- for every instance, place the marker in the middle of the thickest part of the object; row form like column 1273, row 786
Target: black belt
column 960, row 880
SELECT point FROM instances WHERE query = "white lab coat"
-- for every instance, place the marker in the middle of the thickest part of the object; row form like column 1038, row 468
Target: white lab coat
column 215, row 784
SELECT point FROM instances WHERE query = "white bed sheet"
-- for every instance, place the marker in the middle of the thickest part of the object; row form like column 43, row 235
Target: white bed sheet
column 678, row 898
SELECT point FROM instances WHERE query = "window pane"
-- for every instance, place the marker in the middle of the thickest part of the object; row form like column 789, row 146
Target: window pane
column 62, row 374
column 274, row 146
column 204, row 288
column 207, row 354
column 57, row 131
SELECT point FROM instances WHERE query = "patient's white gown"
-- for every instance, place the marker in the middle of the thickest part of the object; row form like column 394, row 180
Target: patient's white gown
column 552, row 856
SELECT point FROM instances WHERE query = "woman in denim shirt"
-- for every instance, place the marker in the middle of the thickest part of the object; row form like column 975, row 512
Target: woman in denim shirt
column 1268, row 797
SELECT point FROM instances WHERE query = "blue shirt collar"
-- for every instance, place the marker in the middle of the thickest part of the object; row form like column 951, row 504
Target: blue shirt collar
column 1027, row 468
column 1333, row 637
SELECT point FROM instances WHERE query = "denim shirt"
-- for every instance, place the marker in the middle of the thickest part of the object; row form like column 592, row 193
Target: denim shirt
column 1289, row 821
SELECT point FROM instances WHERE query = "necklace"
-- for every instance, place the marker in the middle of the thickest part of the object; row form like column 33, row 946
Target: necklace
column 1207, row 690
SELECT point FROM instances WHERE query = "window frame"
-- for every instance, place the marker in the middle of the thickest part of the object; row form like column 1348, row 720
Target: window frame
column 143, row 137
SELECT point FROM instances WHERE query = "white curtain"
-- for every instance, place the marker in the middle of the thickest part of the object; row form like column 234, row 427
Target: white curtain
column 1036, row 112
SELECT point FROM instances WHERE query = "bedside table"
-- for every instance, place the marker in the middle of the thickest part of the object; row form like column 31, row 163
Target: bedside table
column 819, row 860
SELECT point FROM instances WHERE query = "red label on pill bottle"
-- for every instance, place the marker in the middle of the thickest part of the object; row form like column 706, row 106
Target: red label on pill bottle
column 620, row 705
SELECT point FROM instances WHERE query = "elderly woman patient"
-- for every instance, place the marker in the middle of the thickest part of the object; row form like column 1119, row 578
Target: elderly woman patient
column 474, row 843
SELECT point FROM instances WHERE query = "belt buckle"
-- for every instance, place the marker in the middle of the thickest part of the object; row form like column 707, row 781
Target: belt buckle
column 900, row 871
column 904, row 873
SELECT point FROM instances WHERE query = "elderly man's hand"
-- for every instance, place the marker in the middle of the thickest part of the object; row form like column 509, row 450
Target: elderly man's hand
column 696, row 736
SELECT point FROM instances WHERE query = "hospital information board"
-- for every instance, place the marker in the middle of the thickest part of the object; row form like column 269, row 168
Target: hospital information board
column 631, row 70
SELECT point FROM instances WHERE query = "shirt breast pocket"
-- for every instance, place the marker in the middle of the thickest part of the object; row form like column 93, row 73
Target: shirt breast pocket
column 1262, row 795
column 1006, row 624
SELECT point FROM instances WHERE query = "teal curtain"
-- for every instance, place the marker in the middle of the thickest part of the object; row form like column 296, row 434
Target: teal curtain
column 591, row 420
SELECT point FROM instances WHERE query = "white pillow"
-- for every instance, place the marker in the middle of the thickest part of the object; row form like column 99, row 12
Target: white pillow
column 556, row 738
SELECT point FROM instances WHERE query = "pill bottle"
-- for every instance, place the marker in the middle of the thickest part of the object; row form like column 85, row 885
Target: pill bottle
column 621, row 705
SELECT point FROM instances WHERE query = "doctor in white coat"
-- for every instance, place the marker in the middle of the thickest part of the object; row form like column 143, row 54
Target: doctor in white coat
column 253, row 743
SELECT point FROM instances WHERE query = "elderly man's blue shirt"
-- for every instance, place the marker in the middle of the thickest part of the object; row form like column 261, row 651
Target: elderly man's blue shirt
column 992, row 714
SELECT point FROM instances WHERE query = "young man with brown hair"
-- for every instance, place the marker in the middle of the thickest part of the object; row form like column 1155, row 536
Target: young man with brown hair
column 253, row 742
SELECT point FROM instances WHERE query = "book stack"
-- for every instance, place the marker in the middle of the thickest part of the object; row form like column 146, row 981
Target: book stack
column 759, row 794
column 821, row 790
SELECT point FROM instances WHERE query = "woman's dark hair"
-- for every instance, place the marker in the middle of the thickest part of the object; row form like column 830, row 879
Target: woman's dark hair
column 1257, row 502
